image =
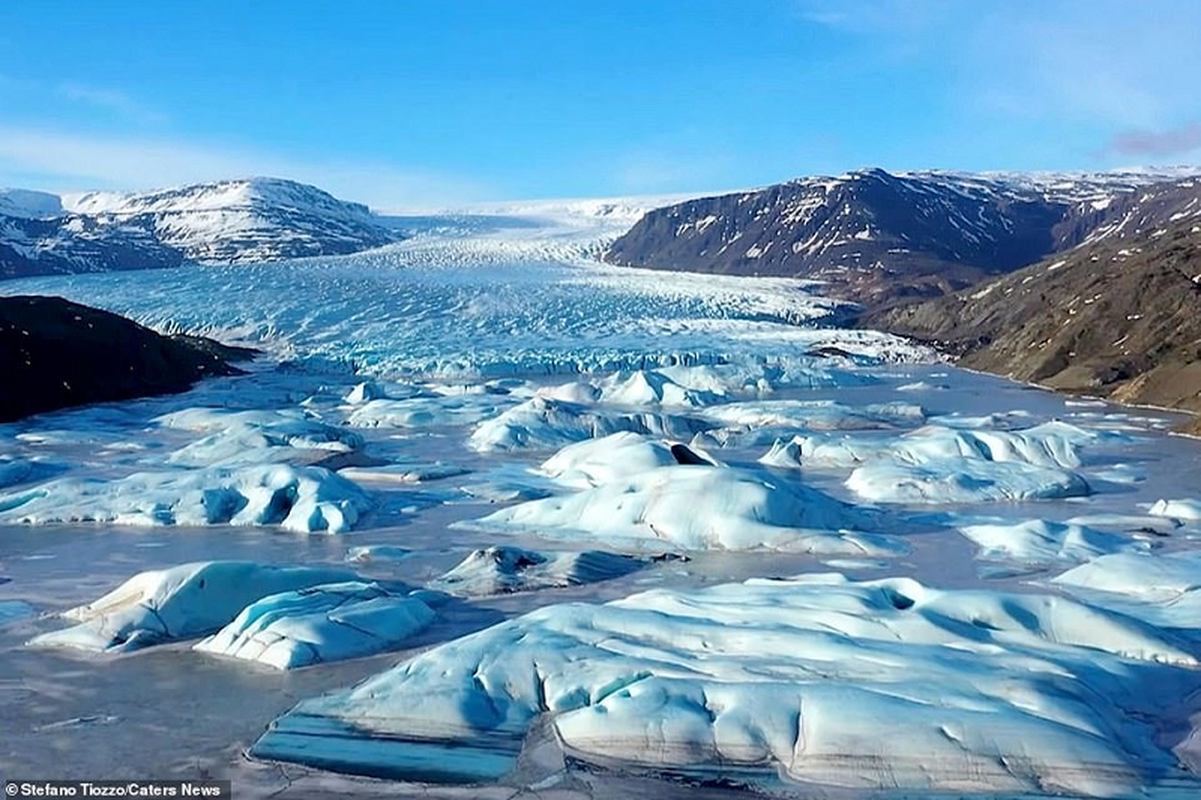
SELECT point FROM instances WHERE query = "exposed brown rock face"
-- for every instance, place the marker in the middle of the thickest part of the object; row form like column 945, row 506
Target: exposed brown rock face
column 1120, row 318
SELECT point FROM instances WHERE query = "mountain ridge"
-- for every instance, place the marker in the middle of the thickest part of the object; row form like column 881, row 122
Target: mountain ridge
column 230, row 221
column 880, row 238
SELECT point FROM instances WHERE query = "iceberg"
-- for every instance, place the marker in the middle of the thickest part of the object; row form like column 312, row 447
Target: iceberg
column 964, row 480
column 180, row 602
column 402, row 474
column 1039, row 542
column 255, row 437
column 693, row 507
column 423, row 412
column 320, row 624
column 1183, row 510
column 363, row 392
column 815, row 415
column 300, row 499
column 1161, row 588
column 1053, row 445
column 369, row 553
column 653, row 388
column 542, row 423
column 504, row 570
column 875, row 685
column 618, row 455
column 698, row 386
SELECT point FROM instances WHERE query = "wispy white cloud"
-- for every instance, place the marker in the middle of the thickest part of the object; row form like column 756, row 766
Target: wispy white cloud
column 111, row 100
column 875, row 16
column 1112, row 66
column 649, row 171
column 74, row 95
column 62, row 160
column 1105, row 63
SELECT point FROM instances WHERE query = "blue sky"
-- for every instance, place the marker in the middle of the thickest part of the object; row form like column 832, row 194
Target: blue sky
column 407, row 103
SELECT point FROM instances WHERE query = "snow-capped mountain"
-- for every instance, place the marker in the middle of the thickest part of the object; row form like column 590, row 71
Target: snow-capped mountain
column 251, row 220
column 878, row 237
column 29, row 204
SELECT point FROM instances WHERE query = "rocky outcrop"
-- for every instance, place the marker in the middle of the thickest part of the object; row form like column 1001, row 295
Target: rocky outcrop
column 55, row 353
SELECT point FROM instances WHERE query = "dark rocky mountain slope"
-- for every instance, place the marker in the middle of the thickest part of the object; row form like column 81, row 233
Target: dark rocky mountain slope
column 55, row 353
column 880, row 238
column 71, row 243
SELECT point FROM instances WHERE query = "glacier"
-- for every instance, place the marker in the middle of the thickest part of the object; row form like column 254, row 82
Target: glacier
column 586, row 519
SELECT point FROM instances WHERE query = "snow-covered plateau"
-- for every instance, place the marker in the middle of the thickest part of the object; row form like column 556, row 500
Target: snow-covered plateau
column 489, row 518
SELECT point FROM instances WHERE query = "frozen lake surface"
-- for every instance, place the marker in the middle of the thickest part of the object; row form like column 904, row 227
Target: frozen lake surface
column 611, row 533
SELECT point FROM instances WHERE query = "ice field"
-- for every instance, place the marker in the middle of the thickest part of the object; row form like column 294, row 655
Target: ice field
column 490, row 519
